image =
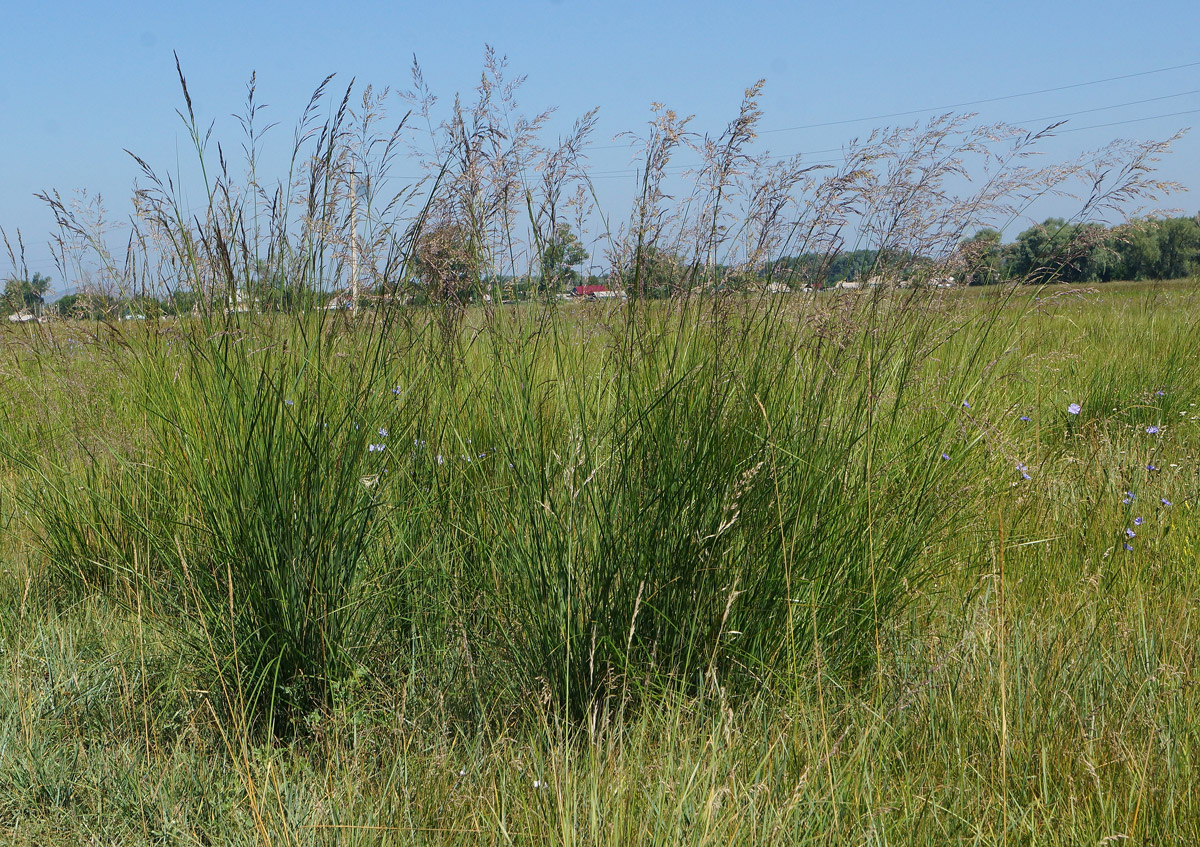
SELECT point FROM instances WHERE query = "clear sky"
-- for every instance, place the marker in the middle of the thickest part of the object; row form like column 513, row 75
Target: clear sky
column 80, row 82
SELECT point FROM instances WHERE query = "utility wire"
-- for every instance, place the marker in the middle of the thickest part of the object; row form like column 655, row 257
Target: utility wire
column 985, row 100
column 1105, row 108
column 1131, row 121
column 963, row 104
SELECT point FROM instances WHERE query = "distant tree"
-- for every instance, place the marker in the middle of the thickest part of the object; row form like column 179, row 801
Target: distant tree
column 981, row 254
column 86, row 306
column 807, row 269
column 143, row 306
column 1042, row 253
column 1178, row 248
column 69, row 305
column 1097, row 258
column 29, row 293
column 560, row 255
column 1140, row 252
column 446, row 261
column 654, row 273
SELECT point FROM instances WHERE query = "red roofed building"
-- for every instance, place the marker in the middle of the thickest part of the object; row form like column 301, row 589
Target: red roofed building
column 590, row 290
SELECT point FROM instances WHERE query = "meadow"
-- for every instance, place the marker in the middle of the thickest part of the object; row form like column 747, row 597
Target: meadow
column 828, row 569
column 700, row 565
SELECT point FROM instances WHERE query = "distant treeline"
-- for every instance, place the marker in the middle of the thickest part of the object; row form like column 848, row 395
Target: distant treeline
column 821, row 270
column 1058, row 251
column 1052, row 251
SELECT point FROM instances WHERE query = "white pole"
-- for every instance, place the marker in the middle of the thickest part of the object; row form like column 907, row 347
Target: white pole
column 353, row 245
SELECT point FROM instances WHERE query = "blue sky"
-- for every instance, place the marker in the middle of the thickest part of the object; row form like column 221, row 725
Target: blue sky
column 82, row 81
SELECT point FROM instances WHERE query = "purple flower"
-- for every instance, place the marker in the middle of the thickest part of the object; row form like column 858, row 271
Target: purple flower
column 288, row 403
column 396, row 390
column 1129, row 498
column 1129, row 533
column 1160, row 394
column 1024, row 471
column 440, row 460
column 1024, row 418
column 1137, row 521
column 1074, row 409
column 375, row 448
column 1165, row 502
column 1151, row 467
column 966, row 405
column 1152, row 430
column 1128, row 547
column 383, row 432
column 945, row 457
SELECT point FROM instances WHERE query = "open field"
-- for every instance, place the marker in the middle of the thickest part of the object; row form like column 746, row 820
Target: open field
column 915, row 568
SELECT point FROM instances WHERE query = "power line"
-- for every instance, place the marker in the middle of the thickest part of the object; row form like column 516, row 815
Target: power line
column 1105, row 108
column 1132, row 121
column 986, row 100
column 963, row 104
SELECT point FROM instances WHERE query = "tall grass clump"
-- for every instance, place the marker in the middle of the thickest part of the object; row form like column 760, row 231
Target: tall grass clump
column 261, row 431
column 355, row 460
column 279, row 554
column 722, row 512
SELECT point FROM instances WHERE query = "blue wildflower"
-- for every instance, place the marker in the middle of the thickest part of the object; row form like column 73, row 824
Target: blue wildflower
column 1151, row 467
column 966, row 405
column 1160, row 394
column 1129, row 498
column 1074, row 409
column 383, row 432
column 945, row 457
column 1128, row 546
column 1129, row 533
column 1137, row 521
column 1165, row 502
column 1024, row 418
column 1152, row 430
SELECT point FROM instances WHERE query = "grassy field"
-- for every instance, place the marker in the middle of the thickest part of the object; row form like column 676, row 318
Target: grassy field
column 857, row 568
